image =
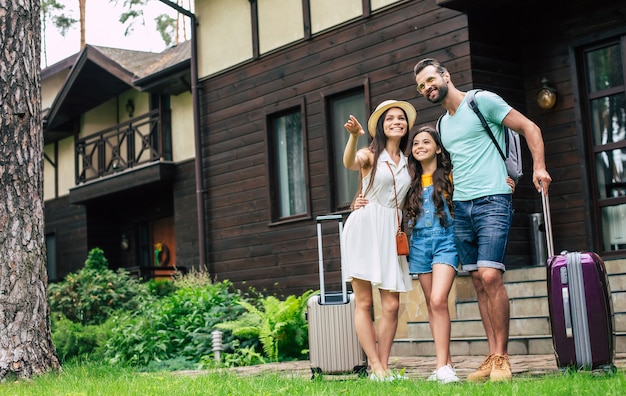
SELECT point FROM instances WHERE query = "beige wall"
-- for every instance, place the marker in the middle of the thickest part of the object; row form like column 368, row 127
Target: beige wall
column 225, row 29
column 376, row 4
column 98, row 118
column 328, row 13
column 50, row 87
column 280, row 23
column 182, row 127
column 64, row 167
column 48, row 173
column 224, row 34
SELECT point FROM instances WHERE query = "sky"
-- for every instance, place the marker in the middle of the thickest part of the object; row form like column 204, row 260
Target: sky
column 103, row 28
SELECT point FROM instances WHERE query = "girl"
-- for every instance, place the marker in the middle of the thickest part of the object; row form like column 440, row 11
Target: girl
column 369, row 251
column 433, row 255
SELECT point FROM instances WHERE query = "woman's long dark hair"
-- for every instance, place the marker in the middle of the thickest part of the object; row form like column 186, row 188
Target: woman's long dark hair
column 442, row 181
column 379, row 142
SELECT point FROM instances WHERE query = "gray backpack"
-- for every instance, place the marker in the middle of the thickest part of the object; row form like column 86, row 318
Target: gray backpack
column 513, row 157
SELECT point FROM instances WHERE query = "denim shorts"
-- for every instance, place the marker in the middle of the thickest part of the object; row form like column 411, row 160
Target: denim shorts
column 432, row 246
column 481, row 231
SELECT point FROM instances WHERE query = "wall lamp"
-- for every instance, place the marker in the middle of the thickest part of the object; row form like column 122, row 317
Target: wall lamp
column 546, row 96
column 124, row 243
column 130, row 107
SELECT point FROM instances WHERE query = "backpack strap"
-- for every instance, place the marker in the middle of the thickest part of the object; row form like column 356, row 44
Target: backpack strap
column 438, row 125
column 472, row 103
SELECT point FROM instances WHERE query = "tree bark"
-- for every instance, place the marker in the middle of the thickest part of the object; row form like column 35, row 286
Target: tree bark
column 82, row 6
column 26, row 347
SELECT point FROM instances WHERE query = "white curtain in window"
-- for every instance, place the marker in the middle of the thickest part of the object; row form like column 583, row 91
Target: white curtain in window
column 290, row 165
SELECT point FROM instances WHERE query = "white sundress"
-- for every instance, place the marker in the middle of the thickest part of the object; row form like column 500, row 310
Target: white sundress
column 368, row 240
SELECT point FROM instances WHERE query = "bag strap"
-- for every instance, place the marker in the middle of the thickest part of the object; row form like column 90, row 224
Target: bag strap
column 472, row 103
column 395, row 194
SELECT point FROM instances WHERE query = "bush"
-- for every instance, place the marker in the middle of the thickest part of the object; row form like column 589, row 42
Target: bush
column 92, row 294
column 178, row 325
column 160, row 287
column 74, row 340
column 281, row 326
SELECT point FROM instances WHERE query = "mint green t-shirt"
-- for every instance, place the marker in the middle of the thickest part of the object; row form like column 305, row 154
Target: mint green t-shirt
column 478, row 168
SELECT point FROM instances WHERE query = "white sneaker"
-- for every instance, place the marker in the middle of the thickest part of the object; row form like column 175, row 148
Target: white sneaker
column 432, row 376
column 446, row 374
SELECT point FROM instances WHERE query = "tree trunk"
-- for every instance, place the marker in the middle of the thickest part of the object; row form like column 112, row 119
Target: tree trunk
column 82, row 5
column 26, row 347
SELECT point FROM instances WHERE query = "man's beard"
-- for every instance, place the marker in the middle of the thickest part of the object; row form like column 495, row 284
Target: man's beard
column 442, row 92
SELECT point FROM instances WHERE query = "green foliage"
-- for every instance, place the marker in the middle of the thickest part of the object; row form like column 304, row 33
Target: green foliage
column 53, row 10
column 94, row 293
column 281, row 326
column 174, row 364
column 74, row 340
column 166, row 26
column 178, row 325
column 192, row 279
column 241, row 356
column 160, row 287
column 87, row 378
column 96, row 260
column 102, row 314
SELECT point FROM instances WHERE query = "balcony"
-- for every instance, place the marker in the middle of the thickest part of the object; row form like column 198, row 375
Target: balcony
column 132, row 154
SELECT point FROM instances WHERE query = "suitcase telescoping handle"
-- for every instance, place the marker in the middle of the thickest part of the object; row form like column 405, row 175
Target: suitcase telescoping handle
column 344, row 290
column 547, row 221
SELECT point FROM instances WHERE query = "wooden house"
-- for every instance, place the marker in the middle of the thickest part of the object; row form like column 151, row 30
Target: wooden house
column 242, row 137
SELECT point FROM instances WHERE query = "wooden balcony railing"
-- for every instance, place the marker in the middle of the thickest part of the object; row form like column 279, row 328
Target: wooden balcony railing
column 138, row 141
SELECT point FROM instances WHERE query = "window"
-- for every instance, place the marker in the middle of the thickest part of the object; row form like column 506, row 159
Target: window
column 346, row 182
column 606, row 96
column 288, row 184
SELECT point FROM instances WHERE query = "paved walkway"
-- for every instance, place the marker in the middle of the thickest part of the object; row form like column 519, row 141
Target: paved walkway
column 421, row 367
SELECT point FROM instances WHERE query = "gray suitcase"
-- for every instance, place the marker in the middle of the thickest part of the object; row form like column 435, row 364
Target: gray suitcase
column 333, row 344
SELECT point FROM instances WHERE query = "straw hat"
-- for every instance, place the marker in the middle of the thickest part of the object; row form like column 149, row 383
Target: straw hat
column 408, row 108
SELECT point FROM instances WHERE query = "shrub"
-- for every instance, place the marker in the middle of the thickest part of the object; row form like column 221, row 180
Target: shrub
column 281, row 326
column 178, row 325
column 92, row 294
column 160, row 287
column 74, row 340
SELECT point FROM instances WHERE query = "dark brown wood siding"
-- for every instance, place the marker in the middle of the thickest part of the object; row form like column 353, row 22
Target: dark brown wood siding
column 186, row 215
column 69, row 224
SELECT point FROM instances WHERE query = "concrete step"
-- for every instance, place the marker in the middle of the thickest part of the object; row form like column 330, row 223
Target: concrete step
column 526, row 345
column 535, row 287
column 473, row 328
column 619, row 301
column 529, row 326
column 518, row 345
column 617, row 281
column 520, row 307
column 530, row 306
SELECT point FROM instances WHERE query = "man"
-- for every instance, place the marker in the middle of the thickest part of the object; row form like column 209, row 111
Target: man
column 482, row 199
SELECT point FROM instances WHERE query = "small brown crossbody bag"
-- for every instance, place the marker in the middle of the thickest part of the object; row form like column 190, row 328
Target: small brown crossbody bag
column 402, row 242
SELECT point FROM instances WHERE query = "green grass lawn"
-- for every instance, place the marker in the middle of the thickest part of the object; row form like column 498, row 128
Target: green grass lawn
column 93, row 379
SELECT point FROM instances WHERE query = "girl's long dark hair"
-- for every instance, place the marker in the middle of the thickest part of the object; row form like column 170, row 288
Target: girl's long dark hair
column 378, row 145
column 442, row 181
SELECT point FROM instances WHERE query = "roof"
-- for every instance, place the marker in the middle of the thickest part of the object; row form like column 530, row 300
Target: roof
column 101, row 73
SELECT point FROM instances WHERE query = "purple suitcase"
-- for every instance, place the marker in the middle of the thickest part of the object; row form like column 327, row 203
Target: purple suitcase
column 579, row 300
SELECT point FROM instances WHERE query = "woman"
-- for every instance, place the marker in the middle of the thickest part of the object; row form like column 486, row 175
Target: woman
column 369, row 250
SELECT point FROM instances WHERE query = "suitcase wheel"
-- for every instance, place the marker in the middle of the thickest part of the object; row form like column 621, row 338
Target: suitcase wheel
column 316, row 373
